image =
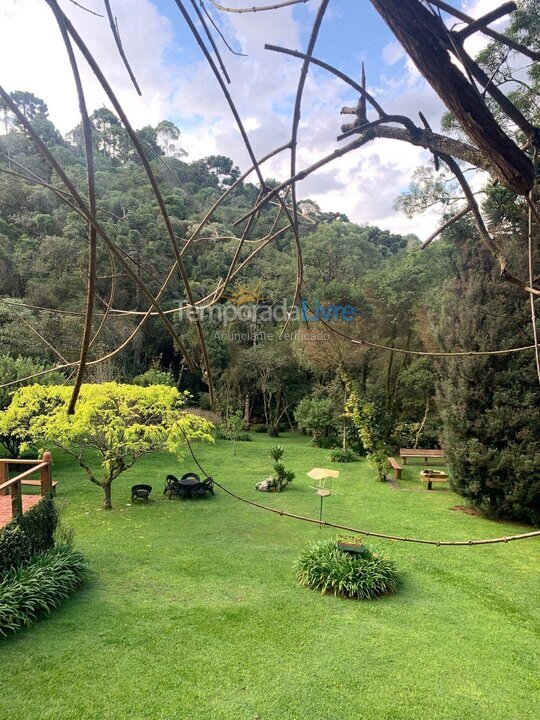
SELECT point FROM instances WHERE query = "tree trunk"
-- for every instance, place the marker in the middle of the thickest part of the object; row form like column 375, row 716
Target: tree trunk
column 107, row 501
column 344, row 426
column 247, row 411
column 426, row 41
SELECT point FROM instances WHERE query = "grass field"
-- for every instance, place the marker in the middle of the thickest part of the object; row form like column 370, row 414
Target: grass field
column 193, row 610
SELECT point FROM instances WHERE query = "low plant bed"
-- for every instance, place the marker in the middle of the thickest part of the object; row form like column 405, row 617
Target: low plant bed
column 35, row 590
column 362, row 574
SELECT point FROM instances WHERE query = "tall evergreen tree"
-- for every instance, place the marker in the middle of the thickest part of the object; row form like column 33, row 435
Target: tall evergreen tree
column 490, row 406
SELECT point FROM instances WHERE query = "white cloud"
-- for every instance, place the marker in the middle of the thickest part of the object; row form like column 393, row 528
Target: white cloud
column 393, row 52
column 363, row 184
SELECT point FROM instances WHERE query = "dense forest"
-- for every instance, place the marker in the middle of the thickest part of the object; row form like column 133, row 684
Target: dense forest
column 403, row 305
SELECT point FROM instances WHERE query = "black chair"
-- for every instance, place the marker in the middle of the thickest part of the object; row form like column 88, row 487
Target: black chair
column 140, row 492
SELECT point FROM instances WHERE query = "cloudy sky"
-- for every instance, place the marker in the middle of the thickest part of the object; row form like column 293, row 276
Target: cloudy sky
column 178, row 85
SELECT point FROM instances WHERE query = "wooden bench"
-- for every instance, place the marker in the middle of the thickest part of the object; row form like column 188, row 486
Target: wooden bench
column 426, row 454
column 396, row 466
column 431, row 477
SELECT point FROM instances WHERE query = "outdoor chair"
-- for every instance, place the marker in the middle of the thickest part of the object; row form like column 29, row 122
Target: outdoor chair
column 140, row 492
column 189, row 486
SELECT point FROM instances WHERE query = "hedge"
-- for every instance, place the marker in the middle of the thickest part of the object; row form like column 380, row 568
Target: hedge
column 30, row 534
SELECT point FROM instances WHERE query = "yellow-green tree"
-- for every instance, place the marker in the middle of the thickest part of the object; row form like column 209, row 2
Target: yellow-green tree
column 120, row 423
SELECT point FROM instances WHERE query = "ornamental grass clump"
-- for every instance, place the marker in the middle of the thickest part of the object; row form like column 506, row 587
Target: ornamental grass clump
column 35, row 590
column 363, row 575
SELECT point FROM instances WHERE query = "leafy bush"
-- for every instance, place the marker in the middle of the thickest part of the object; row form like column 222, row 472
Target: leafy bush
column 281, row 477
column 404, row 435
column 317, row 415
column 242, row 436
column 40, row 523
column 15, row 547
column 260, row 428
column 343, row 456
column 15, row 369
column 32, row 533
column 232, row 428
column 325, row 442
column 276, row 452
column 37, row 589
column 322, row 566
column 153, row 376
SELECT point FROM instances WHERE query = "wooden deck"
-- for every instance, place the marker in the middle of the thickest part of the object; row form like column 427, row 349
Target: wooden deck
column 28, row 501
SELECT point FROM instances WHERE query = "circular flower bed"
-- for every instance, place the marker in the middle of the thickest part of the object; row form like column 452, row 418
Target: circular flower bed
column 363, row 575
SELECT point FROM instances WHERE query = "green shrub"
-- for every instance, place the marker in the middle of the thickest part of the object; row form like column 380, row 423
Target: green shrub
column 326, row 442
column 318, row 416
column 281, row 477
column 32, row 533
column 343, row 456
column 36, row 590
column 154, row 376
column 258, row 428
column 322, row 566
column 242, row 436
column 15, row 547
column 40, row 523
column 276, row 452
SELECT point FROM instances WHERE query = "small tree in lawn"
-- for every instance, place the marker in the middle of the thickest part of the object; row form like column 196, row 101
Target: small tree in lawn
column 362, row 413
column 232, row 426
column 119, row 422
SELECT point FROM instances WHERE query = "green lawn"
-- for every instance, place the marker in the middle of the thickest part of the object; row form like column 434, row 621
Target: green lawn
column 193, row 610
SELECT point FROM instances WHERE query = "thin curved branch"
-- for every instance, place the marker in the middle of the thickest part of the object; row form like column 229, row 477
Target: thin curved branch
column 257, row 8
column 117, row 39
column 466, row 210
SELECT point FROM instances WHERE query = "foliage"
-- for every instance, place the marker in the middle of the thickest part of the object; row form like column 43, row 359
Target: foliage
column 153, row 376
column 15, row 547
column 342, row 455
column 16, row 368
column 276, row 452
column 249, row 553
column 121, row 422
column 365, row 576
column 490, row 406
column 325, row 442
column 317, row 416
column 32, row 533
column 281, row 477
column 232, row 428
column 30, row 592
column 362, row 414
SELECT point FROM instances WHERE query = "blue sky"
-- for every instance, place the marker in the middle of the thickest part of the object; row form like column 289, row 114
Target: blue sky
column 177, row 85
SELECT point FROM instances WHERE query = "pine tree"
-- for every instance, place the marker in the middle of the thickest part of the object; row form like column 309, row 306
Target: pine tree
column 490, row 406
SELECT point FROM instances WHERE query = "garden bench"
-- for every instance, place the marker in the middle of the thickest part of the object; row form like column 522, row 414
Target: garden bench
column 426, row 454
column 431, row 476
column 396, row 466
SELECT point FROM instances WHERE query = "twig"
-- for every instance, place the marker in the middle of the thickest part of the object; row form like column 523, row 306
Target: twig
column 82, row 7
column 446, row 225
column 210, row 40
column 330, row 68
column 116, row 34
column 257, row 8
column 218, row 30
column 504, row 39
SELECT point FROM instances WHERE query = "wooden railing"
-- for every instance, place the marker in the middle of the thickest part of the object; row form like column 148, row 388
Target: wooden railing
column 14, row 485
